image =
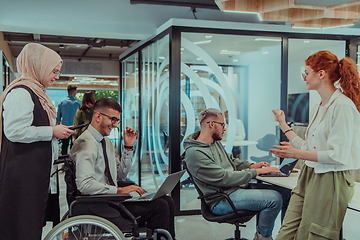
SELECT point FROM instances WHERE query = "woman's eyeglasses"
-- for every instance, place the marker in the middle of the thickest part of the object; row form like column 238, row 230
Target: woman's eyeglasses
column 56, row 73
column 304, row 74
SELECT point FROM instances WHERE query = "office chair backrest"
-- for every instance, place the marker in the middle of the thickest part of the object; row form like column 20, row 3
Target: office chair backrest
column 192, row 179
column 205, row 209
column 232, row 218
column 267, row 142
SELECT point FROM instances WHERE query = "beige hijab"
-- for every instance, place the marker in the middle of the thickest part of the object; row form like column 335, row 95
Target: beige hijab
column 35, row 62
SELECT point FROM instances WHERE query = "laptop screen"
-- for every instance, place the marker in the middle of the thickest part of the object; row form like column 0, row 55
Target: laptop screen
column 287, row 165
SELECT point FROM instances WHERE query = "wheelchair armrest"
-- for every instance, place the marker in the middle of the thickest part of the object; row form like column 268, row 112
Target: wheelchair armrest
column 61, row 159
column 103, row 198
column 125, row 183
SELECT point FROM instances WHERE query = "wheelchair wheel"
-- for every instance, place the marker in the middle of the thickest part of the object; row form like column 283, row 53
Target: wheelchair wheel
column 85, row 227
column 66, row 216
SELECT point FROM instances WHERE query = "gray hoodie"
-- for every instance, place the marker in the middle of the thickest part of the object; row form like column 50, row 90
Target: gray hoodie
column 214, row 170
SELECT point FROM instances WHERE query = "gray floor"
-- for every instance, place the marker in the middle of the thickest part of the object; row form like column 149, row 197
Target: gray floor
column 196, row 228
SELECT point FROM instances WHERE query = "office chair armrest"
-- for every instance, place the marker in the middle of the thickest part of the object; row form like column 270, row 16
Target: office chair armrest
column 103, row 198
column 223, row 195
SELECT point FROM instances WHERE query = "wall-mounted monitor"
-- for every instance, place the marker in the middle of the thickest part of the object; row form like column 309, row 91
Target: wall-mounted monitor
column 298, row 108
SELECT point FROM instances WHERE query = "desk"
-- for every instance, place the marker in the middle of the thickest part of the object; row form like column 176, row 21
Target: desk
column 291, row 181
column 244, row 143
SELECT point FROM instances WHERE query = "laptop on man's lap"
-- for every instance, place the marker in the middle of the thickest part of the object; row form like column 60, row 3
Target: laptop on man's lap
column 285, row 167
column 166, row 187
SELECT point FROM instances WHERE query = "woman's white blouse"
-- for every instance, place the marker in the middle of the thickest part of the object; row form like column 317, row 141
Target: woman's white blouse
column 334, row 133
column 17, row 119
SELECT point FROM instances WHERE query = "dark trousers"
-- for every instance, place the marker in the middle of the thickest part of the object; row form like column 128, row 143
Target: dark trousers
column 53, row 209
column 159, row 213
column 65, row 145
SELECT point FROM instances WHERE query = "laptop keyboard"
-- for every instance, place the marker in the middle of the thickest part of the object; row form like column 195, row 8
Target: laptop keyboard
column 146, row 196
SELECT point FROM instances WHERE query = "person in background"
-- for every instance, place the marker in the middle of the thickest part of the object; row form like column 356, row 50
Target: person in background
column 214, row 170
column 98, row 169
column 28, row 144
column 84, row 113
column 331, row 149
column 240, row 135
column 66, row 112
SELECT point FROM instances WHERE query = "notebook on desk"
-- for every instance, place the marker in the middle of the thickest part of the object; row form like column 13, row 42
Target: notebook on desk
column 166, row 187
column 285, row 167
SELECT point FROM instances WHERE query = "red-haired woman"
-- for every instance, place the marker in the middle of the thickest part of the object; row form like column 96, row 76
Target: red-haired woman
column 84, row 113
column 331, row 148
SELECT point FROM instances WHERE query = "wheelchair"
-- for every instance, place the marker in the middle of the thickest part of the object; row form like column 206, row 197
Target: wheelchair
column 102, row 217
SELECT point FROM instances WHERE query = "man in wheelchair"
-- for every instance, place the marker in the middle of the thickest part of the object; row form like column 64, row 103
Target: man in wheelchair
column 98, row 169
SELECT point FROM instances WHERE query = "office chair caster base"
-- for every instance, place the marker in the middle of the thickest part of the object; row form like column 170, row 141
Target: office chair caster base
column 236, row 238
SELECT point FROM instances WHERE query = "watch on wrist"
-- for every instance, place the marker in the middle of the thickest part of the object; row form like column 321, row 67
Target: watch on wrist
column 128, row 147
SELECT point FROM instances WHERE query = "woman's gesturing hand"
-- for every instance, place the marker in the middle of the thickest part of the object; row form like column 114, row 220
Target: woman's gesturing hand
column 285, row 150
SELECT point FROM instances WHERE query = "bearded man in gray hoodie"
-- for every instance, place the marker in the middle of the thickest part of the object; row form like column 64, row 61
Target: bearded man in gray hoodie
column 214, row 170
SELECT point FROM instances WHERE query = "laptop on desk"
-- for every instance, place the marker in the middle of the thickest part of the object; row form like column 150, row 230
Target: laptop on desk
column 285, row 167
column 166, row 187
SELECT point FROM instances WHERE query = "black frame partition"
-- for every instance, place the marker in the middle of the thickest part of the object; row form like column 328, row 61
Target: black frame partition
column 174, row 33
column 174, row 110
column 6, row 71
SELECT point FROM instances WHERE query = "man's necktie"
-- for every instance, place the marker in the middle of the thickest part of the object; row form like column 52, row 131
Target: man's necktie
column 107, row 169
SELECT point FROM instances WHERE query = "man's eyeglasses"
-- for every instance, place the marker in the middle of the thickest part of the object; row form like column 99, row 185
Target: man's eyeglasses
column 114, row 120
column 222, row 124
column 56, row 73
column 304, row 74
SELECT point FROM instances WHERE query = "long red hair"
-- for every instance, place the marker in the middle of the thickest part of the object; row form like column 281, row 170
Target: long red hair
column 344, row 70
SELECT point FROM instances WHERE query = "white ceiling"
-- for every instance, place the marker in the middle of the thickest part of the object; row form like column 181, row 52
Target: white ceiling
column 105, row 18
column 113, row 19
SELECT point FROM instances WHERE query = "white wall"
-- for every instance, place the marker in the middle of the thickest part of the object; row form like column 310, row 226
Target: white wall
column 264, row 93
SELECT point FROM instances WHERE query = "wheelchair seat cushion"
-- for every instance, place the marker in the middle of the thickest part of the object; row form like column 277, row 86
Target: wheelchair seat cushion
column 104, row 210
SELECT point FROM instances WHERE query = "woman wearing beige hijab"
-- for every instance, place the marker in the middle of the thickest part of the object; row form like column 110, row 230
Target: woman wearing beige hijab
column 28, row 143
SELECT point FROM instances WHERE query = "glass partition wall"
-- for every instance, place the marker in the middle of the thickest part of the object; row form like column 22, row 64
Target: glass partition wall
column 227, row 72
column 155, row 114
column 130, row 105
column 244, row 73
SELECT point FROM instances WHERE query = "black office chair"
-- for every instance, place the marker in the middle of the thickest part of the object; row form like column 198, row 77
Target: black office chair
column 237, row 217
column 104, row 214
column 265, row 144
